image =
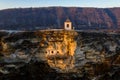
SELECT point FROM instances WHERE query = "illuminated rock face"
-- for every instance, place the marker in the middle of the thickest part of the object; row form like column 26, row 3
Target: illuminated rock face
column 61, row 49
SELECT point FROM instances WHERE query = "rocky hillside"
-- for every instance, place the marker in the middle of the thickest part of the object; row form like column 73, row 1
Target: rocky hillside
column 53, row 17
column 23, row 56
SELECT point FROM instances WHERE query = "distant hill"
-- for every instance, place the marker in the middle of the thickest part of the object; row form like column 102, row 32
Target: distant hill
column 54, row 17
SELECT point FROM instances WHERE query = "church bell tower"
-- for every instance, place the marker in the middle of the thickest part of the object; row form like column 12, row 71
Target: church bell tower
column 68, row 25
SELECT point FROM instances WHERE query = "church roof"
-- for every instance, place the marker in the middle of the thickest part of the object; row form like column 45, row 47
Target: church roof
column 68, row 20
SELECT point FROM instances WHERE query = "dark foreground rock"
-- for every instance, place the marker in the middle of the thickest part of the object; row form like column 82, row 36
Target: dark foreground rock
column 42, row 71
column 37, row 71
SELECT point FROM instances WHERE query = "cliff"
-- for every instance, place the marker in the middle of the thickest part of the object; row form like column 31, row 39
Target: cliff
column 37, row 55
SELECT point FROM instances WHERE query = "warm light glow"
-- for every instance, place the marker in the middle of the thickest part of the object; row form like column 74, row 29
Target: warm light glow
column 60, row 54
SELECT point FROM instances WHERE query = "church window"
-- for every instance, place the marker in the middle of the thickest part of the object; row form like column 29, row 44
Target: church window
column 67, row 25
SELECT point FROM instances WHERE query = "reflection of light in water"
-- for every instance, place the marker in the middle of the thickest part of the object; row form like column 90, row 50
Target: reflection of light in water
column 60, row 55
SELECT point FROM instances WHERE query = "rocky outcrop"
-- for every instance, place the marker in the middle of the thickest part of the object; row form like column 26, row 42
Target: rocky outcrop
column 96, row 56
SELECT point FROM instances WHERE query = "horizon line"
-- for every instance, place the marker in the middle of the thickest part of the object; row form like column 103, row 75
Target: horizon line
column 56, row 6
